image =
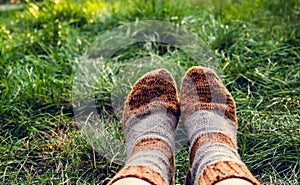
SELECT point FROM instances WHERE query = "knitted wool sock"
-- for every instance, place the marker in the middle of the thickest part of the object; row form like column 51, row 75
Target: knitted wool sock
column 150, row 118
column 209, row 116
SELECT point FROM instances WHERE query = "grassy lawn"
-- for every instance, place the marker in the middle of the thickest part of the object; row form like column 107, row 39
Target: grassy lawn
column 256, row 45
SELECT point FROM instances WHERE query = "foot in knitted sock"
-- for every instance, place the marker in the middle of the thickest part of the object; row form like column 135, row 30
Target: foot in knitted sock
column 209, row 116
column 150, row 118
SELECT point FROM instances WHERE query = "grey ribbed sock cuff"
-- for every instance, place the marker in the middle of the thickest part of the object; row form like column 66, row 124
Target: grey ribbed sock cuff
column 152, row 123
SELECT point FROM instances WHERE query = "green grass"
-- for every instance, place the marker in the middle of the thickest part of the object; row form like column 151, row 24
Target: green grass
column 256, row 44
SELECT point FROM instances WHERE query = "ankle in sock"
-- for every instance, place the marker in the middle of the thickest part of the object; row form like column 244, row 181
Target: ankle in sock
column 150, row 118
column 209, row 116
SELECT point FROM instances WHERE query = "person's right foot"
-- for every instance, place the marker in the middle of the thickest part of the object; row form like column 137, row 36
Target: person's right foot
column 209, row 115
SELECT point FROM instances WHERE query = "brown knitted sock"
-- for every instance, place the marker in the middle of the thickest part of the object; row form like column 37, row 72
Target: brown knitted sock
column 150, row 118
column 209, row 116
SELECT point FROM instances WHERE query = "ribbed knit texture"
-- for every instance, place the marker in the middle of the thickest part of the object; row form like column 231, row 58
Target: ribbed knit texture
column 150, row 118
column 209, row 115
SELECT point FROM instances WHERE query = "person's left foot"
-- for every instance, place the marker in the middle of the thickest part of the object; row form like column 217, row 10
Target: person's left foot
column 150, row 118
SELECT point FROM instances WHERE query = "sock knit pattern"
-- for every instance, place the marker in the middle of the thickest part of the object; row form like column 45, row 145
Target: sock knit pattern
column 201, row 89
column 151, row 114
column 208, row 112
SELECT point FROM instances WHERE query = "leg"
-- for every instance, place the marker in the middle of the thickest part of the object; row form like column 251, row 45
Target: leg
column 209, row 116
column 131, row 181
column 150, row 118
column 233, row 181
